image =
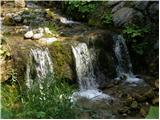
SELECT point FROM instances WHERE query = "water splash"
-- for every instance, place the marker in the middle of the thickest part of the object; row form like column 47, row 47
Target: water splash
column 85, row 74
column 123, row 63
column 38, row 67
column 66, row 21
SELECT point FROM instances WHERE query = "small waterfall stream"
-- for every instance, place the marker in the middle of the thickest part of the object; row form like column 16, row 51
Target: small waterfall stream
column 85, row 74
column 39, row 66
column 123, row 63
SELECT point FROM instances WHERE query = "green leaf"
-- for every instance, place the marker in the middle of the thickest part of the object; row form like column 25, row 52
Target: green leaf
column 153, row 113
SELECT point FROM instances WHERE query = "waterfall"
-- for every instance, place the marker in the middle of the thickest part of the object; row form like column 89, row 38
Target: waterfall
column 38, row 67
column 85, row 74
column 123, row 63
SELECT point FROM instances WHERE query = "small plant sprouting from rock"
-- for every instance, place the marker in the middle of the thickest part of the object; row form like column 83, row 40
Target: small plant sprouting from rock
column 107, row 18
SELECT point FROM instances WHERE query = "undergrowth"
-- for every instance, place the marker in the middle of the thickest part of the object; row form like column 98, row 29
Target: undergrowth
column 53, row 101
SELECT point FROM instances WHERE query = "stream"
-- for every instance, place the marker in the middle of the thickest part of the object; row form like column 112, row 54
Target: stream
column 95, row 60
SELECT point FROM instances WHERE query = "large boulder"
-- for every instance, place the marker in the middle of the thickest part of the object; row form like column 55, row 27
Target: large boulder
column 127, row 16
column 154, row 11
column 141, row 5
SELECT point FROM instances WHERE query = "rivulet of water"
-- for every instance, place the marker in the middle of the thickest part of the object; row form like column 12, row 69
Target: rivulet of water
column 85, row 74
column 39, row 66
column 123, row 62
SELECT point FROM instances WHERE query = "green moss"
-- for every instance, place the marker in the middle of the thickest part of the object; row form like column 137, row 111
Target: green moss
column 62, row 59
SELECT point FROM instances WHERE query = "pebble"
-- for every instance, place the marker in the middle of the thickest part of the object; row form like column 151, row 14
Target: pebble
column 37, row 36
column 28, row 34
column 47, row 31
column 48, row 40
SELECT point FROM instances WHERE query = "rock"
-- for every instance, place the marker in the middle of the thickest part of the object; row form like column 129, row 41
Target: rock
column 41, row 30
column 6, row 68
column 112, row 3
column 37, row 36
column 28, row 35
column 155, row 101
column 118, row 6
column 134, row 104
column 19, row 3
column 47, row 31
column 157, row 83
column 154, row 11
column 143, row 112
column 18, row 18
column 140, row 5
column 127, row 16
column 47, row 40
column 124, row 115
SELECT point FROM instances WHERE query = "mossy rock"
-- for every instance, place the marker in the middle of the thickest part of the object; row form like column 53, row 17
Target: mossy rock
column 63, row 62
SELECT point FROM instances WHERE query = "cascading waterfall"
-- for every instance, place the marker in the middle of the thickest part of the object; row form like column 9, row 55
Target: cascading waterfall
column 123, row 63
column 39, row 66
column 85, row 74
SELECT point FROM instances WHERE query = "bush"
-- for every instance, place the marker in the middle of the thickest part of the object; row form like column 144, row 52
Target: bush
column 135, row 37
column 80, row 9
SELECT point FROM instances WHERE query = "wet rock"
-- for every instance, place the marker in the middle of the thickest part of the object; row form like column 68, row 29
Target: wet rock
column 28, row 35
column 124, row 115
column 19, row 3
column 112, row 3
column 118, row 6
column 127, row 16
column 154, row 11
column 140, row 5
column 37, row 36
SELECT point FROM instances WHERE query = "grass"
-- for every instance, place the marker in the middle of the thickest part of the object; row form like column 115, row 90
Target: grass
column 50, row 102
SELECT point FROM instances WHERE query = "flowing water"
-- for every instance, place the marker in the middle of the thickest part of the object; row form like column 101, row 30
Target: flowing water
column 123, row 63
column 39, row 66
column 85, row 74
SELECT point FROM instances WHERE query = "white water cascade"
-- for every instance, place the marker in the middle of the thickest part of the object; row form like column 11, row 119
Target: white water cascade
column 85, row 74
column 39, row 66
column 123, row 63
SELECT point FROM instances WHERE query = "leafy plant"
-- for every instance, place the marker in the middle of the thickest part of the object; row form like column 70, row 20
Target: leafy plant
column 107, row 18
column 50, row 102
column 135, row 37
column 80, row 9
column 133, row 31
column 153, row 113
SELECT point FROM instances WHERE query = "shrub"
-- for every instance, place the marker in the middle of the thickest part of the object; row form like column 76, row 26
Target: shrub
column 135, row 37
column 80, row 9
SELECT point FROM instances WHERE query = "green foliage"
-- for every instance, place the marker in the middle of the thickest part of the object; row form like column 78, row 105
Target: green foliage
column 4, row 51
column 52, row 101
column 153, row 113
column 135, row 36
column 107, row 18
column 80, row 9
column 133, row 31
column 9, row 99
